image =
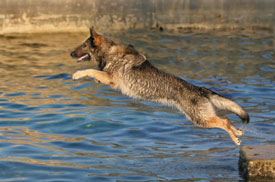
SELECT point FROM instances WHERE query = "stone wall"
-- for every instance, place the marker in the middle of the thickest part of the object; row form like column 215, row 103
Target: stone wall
column 109, row 15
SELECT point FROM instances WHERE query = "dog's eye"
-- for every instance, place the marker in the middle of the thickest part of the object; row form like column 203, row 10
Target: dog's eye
column 84, row 45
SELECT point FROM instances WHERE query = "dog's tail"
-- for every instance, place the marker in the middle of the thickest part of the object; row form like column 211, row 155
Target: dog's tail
column 229, row 105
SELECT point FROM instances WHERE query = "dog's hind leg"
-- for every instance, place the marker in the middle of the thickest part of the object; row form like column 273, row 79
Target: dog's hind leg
column 100, row 76
column 225, row 124
column 235, row 130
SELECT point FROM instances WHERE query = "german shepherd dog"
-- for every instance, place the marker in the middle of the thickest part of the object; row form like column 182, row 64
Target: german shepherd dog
column 123, row 67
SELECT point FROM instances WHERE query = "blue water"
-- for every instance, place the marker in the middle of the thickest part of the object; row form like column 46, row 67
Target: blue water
column 56, row 129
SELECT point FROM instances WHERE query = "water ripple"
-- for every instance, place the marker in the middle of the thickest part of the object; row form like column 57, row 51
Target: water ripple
column 56, row 129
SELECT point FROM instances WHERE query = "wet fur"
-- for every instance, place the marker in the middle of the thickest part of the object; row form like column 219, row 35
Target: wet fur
column 123, row 68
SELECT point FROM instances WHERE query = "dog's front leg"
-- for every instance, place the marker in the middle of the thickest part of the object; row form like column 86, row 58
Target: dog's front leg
column 100, row 76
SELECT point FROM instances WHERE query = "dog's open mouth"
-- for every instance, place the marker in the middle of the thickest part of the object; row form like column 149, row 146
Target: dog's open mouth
column 85, row 57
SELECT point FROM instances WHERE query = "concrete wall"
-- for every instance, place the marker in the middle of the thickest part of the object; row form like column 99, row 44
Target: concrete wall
column 108, row 15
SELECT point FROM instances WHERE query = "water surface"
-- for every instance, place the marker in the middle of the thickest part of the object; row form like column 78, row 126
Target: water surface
column 56, row 129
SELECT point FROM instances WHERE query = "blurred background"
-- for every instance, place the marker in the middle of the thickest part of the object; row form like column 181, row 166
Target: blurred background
column 108, row 15
column 55, row 129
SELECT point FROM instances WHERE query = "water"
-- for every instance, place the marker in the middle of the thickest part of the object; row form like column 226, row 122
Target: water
column 56, row 129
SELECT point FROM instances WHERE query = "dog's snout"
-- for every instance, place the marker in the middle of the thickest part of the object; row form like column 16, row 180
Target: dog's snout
column 73, row 54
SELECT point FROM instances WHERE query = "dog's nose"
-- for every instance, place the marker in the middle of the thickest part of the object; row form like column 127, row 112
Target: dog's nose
column 73, row 54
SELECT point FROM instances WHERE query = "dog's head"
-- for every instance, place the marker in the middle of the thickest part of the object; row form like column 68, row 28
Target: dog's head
column 92, row 48
column 101, row 50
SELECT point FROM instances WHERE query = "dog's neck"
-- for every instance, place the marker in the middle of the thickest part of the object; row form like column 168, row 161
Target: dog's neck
column 101, row 65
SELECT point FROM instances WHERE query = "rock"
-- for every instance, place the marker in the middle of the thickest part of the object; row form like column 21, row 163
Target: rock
column 257, row 162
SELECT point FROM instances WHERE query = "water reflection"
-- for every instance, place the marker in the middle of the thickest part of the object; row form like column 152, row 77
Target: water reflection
column 22, row 137
column 43, row 163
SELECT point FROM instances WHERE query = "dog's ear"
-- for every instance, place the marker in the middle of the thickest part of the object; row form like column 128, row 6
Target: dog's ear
column 95, row 37
column 92, row 32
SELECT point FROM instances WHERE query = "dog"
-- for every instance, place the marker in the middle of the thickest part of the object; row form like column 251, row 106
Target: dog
column 123, row 67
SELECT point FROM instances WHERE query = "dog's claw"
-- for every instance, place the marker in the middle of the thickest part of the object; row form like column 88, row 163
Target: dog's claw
column 236, row 140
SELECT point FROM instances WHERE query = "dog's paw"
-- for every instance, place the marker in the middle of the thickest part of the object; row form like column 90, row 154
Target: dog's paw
column 239, row 132
column 78, row 74
column 238, row 142
column 235, row 139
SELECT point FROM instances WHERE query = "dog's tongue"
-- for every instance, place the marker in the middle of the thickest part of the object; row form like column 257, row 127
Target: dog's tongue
column 82, row 58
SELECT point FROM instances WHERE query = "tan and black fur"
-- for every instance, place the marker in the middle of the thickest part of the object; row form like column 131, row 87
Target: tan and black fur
column 123, row 68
